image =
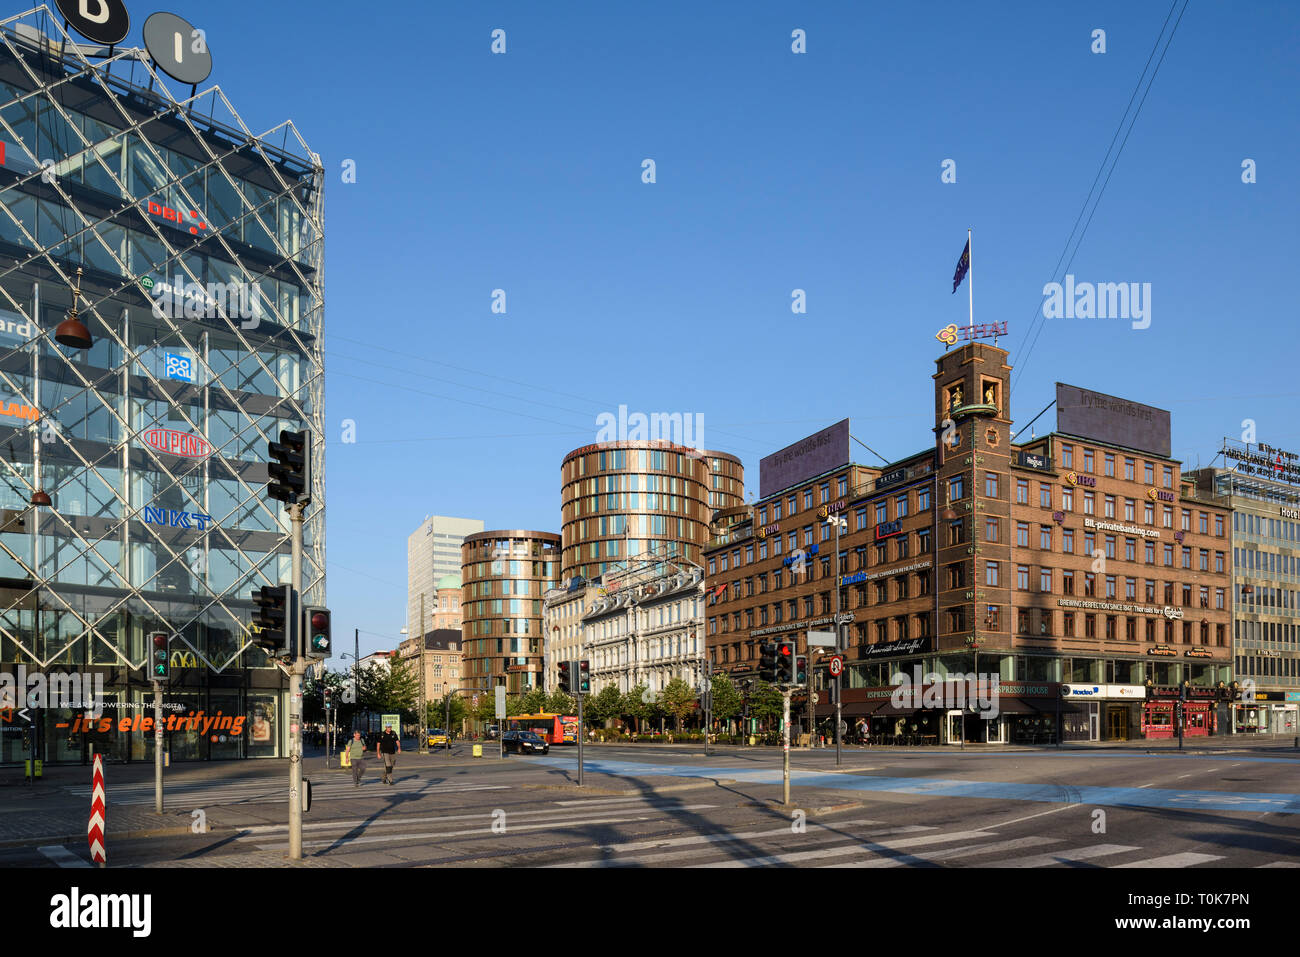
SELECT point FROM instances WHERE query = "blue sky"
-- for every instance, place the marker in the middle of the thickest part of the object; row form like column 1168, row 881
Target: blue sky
column 775, row 171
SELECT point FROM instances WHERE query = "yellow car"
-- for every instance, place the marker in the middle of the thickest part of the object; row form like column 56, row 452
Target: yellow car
column 438, row 737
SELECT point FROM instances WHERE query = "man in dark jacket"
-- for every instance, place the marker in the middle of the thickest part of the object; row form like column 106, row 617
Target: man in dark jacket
column 387, row 747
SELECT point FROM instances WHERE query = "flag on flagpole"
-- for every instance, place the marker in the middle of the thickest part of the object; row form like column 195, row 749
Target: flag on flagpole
column 963, row 266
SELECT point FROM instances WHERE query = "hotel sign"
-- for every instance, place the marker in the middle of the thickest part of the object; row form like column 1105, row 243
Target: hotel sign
column 891, row 478
column 1264, row 460
column 177, row 443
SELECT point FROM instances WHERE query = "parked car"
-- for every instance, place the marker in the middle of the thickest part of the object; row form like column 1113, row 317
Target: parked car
column 493, row 731
column 524, row 742
column 438, row 737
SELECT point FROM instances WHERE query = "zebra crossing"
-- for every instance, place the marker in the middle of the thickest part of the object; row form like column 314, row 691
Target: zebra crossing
column 334, row 787
column 866, row 843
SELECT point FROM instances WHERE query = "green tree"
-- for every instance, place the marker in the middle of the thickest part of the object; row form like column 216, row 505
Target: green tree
column 557, row 702
column 636, row 704
column 605, row 705
column 677, row 699
column 765, row 701
column 438, row 710
column 486, row 709
column 533, row 701
column 726, row 698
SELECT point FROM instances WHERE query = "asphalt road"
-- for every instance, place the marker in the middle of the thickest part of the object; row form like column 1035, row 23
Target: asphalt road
column 673, row 806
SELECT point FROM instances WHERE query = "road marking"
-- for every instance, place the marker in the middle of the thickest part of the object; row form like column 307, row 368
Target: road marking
column 1188, row 859
column 260, row 831
column 653, row 860
column 484, row 831
column 62, row 856
column 1140, row 786
column 865, row 848
column 1282, row 864
column 1065, row 857
column 1055, row 810
column 943, row 857
column 707, row 838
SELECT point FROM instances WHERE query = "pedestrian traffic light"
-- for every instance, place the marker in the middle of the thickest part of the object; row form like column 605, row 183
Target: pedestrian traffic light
column 583, row 680
column 274, row 623
column 565, row 676
column 767, row 663
column 325, row 693
column 316, row 626
column 162, row 669
column 801, row 669
column 290, row 469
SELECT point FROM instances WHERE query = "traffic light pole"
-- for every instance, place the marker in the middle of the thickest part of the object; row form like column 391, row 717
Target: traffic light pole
column 296, row 672
column 580, row 737
column 157, row 748
column 785, row 760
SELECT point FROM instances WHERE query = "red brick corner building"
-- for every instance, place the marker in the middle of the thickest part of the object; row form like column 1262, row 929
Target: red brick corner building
column 1085, row 578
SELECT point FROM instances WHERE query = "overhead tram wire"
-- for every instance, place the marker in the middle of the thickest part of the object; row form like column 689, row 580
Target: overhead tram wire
column 1037, row 315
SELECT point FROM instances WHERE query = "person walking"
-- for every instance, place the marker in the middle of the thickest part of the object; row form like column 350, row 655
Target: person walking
column 388, row 747
column 357, row 754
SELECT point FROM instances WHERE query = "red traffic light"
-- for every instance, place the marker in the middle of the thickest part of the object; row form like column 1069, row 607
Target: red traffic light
column 160, row 641
column 785, row 651
column 320, row 620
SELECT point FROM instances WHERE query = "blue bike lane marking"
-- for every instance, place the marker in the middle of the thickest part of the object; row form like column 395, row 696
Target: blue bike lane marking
column 1169, row 799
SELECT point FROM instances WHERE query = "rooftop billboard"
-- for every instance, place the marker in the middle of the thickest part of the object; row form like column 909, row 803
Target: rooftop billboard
column 818, row 453
column 1112, row 420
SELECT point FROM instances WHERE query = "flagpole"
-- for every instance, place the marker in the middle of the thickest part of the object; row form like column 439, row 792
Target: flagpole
column 970, row 278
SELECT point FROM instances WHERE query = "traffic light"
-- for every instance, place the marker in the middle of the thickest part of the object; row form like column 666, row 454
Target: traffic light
column 584, row 677
column 784, row 662
column 565, row 677
column 767, row 663
column 316, row 626
column 162, row 669
column 325, row 693
column 801, row 669
column 291, row 469
column 274, row 624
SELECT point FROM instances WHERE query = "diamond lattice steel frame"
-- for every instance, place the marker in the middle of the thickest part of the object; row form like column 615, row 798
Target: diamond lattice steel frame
column 56, row 70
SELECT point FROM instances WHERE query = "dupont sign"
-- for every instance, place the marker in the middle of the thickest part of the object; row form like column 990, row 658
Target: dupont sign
column 178, row 443
column 1095, row 415
column 826, row 450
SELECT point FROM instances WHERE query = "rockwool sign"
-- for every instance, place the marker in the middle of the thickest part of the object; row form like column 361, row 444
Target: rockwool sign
column 177, row 443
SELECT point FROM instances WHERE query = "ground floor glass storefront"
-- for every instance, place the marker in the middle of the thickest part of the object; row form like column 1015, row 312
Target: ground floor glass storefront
column 199, row 724
column 1036, row 703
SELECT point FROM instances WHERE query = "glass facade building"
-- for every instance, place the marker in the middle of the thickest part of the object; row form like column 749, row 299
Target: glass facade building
column 195, row 249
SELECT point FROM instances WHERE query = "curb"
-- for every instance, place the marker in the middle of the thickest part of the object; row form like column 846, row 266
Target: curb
column 33, row 842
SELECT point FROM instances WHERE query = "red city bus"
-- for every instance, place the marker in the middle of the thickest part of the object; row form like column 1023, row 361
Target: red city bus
column 552, row 728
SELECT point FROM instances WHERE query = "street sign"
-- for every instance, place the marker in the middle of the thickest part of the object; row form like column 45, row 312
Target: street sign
column 821, row 639
column 816, row 697
column 501, row 701
column 837, row 665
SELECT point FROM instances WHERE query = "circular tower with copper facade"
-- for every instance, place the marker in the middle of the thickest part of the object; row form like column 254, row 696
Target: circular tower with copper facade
column 649, row 499
column 504, row 577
